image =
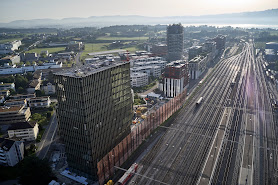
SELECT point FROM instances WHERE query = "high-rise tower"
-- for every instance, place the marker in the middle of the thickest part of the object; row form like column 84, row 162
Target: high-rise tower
column 175, row 42
column 94, row 112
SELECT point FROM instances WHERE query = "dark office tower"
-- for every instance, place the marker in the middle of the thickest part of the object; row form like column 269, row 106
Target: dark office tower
column 94, row 112
column 175, row 42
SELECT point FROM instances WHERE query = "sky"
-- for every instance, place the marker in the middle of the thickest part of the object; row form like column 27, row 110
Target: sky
column 57, row 9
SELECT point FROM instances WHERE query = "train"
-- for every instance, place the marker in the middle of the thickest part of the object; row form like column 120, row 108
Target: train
column 128, row 174
column 274, row 104
column 199, row 101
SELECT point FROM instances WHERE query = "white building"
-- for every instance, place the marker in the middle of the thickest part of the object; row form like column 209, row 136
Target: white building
column 48, row 89
column 139, row 79
column 7, row 86
column 11, row 152
column 9, row 47
column 175, row 78
column 149, row 70
column 7, row 69
column 39, row 102
column 27, row 131
column 197, row 66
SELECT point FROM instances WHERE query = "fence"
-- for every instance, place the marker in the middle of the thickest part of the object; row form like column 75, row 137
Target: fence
column 119, row 154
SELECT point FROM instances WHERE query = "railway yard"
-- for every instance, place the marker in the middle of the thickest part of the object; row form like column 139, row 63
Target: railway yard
column 227, row 138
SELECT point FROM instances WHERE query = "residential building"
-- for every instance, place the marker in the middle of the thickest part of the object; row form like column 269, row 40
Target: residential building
column 194, row 51
column 272, row 45
column 11, row 151
column 75, row 46
column 8, row 70
column 5, row 93
column 9, row 47
column 26, row 131
column 159, row 49
column 94, row 113
column 220, row 42
column 29, row 57
column 175, row 42
column 2, row 99
column 33, row 86
column 7, row 86
column 139, row 79
column 14, row 114
column 154, row 71
column 271, row 55
column 14, row 59
column 197, row 66
column 12, row 102
column 48, row 88
column 23, row 96
column 39, row 102
column 175, row 78
column 44, row 52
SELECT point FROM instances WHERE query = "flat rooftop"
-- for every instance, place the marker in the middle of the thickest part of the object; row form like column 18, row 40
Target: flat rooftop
column 89, row 69
column 5, row 109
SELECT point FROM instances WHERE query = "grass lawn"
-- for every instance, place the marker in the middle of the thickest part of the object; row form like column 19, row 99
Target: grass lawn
column 50, row 50
column 3, row 41
column 89, row 48
column 122, row 38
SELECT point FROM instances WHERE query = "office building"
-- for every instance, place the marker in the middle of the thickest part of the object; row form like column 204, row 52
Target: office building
column 94, row 112
column 175, row 78
column 175, row 42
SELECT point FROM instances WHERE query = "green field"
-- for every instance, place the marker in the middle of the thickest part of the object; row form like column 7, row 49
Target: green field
column 122, row 38
column 3, row 41
column 50, row 50
column 89, row 48
column 260, row 45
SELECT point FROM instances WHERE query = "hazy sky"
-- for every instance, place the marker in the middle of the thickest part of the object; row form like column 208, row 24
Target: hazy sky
column 57, row 9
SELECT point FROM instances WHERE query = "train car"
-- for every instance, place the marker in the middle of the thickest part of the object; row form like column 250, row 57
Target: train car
column 128, row 174
column 274, row 104
column 267, row 73
column 272, row 78
column 199, row 101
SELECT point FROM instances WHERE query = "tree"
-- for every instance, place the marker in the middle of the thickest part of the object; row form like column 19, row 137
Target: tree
column 12, row 92
column 39, row 93
column 36, row 117
column 21, row 81
column 33, row 171
column 29, row 76
column 27, row 63
column 20, row 90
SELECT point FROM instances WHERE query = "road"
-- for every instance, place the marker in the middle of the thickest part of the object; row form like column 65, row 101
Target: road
column 229, row 139
column 47, row 137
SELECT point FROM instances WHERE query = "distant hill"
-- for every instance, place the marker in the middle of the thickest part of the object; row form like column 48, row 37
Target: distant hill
column 267, row 17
